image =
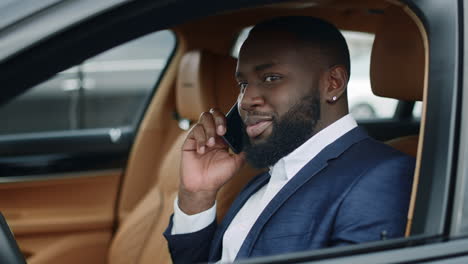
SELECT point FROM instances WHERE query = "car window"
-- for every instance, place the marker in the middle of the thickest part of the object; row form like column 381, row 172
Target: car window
column 108, row 90
column 417, row 110
column 363, row 104
column 6, row 3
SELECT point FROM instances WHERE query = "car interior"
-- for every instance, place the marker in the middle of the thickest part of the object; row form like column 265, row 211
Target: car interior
column 10, row 252
column 113, row 216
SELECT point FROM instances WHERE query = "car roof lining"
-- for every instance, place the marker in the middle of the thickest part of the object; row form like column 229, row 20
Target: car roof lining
column 344, row 14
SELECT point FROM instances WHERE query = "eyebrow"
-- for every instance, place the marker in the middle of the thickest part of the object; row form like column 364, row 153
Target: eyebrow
column 257, row 68
column 265, row 66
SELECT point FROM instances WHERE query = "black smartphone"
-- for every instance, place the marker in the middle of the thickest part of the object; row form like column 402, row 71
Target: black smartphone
column 234, row 130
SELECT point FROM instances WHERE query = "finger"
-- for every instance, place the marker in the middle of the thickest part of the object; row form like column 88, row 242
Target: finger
column 198, row 134
column 208, row 123
column 220, row 121
column 220, row 143
column 190, row 144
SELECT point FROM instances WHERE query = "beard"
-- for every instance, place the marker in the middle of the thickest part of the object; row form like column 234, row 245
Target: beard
column 289, row 132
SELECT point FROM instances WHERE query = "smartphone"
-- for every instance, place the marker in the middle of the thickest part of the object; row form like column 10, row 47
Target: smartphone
column 234, row 136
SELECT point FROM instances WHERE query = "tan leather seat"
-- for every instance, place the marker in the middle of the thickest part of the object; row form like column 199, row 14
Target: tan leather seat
column 204, row 80
column 398, row 65
column 406, row 144
column 399, row 70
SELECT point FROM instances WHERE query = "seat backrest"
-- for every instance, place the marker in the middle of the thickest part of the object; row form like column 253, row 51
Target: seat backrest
column 399, row 64
column 204, row 80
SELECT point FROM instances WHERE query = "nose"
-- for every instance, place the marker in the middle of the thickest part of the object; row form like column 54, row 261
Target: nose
column 251, row 98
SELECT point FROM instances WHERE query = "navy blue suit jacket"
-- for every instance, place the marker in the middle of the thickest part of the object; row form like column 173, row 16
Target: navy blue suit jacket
column 351, row 192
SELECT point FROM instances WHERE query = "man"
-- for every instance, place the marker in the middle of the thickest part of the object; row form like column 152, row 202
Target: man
column 329, row 184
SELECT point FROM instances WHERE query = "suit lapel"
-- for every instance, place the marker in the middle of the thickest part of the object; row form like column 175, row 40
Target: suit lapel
column 250, row 189
column 303, row 176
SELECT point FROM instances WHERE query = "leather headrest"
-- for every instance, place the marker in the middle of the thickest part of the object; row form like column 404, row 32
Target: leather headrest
column 397, row 62
column 205, row 80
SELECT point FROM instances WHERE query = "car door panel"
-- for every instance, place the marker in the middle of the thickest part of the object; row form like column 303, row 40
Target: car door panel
column 62, row 201
column 65, row 146
column 67, row 151
column 46, row 213
column 85, row 247
column 59, row 191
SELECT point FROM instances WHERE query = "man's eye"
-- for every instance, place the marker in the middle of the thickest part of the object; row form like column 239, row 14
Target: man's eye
column 272, row 78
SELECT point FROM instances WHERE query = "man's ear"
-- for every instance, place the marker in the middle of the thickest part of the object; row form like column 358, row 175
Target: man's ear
column 337, row 79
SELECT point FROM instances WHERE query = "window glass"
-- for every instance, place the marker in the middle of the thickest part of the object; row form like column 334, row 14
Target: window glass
column 417, row 110
column 108, row 90
column 363, row 104
column 6, row 3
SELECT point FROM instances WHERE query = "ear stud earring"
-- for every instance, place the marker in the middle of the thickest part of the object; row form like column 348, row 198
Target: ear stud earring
column 333, row 99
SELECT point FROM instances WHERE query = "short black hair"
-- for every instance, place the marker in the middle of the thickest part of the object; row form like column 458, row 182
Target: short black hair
column 317, row 32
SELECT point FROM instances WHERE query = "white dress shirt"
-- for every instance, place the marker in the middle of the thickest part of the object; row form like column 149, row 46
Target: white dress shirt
column 280, row 173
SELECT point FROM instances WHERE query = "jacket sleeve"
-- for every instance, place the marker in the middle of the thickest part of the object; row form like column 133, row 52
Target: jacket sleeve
column 192, row 247
column 376, row 206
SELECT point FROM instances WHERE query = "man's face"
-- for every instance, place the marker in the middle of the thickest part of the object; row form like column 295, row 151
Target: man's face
column 279, row 100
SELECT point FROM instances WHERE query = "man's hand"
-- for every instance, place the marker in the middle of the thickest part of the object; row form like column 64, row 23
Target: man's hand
column 206, row 163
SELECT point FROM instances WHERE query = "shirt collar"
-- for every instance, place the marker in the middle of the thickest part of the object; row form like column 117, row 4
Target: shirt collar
column 290, row 165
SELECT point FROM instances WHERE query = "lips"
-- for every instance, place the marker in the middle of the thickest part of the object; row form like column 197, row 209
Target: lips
column 255, row 126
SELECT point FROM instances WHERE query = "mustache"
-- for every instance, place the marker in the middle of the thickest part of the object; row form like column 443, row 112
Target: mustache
column 253, row 117
column 258, row 113
column 251, row 114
